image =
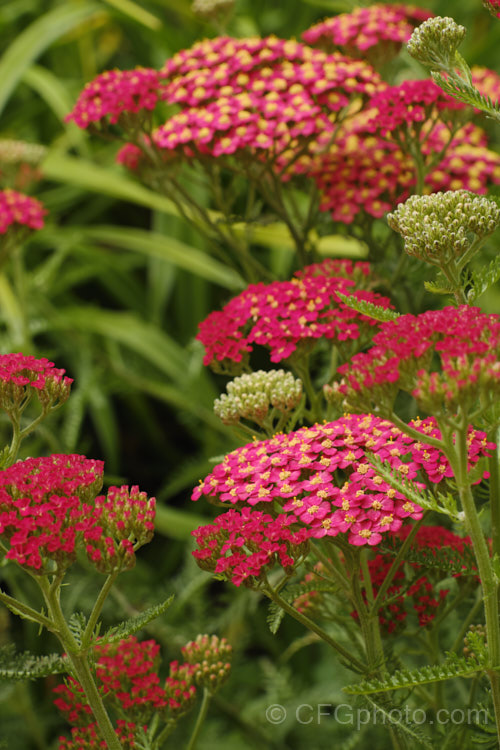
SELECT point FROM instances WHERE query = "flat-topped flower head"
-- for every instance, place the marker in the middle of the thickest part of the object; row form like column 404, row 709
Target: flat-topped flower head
column 435, row 43
column 45, row 504
column 493, row 6
column 378, row 31
column 23, row 376
column 123, row 521
column 116, row 95
column 258, row 396
column 267, row 98
column 19, row 211
column 446, row 358
column 321, row 480
column 441, row 227
column 287, row 317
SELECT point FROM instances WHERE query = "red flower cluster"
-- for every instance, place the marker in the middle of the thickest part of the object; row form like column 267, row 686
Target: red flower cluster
column 286, row 316
column 486, row 81
column 379, row 26
column 256, row 96
column 115, row 94
column 243, row 545
column 22, row 376
column 368, row 167
column 406, row 590
column 44, row 505
column 466, row 340
column 422, row 595
column 323, row 482
column 48, row 505
column 88, row 737
column 493, row 6
column 127, row 676
column 17, row 209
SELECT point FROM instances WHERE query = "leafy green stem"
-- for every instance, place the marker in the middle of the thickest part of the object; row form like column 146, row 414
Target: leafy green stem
column 200, row 720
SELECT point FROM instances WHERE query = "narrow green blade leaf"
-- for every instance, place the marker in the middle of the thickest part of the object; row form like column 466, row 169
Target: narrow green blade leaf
column 168, row 248
column 134, row 11
column 127, row 329
column 176, row 524
column 37, row 38
column 134, row 624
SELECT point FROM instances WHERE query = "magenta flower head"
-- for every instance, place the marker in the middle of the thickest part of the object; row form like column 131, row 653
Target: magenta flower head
column 118, row 97
column 287, row 489
column 264, row 99
column 24, row 376
column 19, row 211
column 377, row 32
column 288, row 317
column 448, row 359
column 44, row 507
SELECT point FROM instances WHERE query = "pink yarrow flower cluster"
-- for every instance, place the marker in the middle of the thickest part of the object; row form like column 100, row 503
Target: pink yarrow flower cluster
column 286, row 316
column 321, row 478
column 379, row 26
column 19, row 210
column 116, row 94
column 48, row 507
column 367, row 173
column 466, row 341
column 267, row 97
column 127, row 676
column 22, row 376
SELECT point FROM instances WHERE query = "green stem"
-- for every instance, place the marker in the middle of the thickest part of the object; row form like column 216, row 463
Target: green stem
column 458, row 458
column 494, row 469
column 96, row 611
column 311, row 625
column 23, row 610
column 199, row 721
column 395, row 566
column 79, row 661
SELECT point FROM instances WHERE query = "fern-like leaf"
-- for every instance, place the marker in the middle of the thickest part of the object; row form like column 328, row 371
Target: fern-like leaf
column 400, row 724
column 439, row 501
column 134, row 624
column 275, row 617
column 448, row 559
column 77, row 623
column 452, row 667
column 368, row 308
column 26, row 666
column 460, row 89
column 483, row 278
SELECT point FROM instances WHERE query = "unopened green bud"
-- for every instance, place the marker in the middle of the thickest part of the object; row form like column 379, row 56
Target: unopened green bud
column 442, row 227
column 252, row 396
column 435, row 42
column 210, row 657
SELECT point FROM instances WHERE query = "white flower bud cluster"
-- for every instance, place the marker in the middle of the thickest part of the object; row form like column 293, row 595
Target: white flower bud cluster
column 209, row 9
column 440, row 227
column 15, row 152
column 435, row 42
column 251, row 396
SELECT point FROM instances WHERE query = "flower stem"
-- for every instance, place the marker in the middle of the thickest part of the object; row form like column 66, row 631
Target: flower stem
column 199, row 721
column 311, row 625
column 79, row 661
column 96, row 611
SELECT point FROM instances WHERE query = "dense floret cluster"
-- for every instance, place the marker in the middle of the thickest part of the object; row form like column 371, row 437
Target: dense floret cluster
column 286, row 317
column 48, row 506
column 323, row 482
column 466, row 342
column 379, row 25
column 19, row 210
